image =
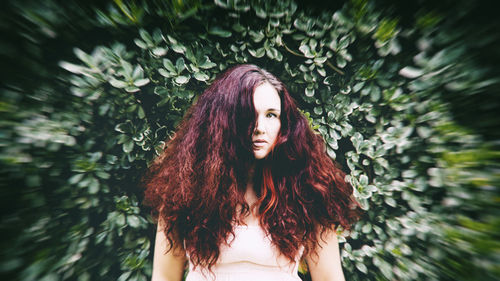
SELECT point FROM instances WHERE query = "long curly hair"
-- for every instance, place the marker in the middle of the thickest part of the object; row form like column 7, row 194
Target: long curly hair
column 196, row 186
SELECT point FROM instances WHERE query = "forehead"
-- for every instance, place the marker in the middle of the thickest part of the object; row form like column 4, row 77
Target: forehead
column 266, row 97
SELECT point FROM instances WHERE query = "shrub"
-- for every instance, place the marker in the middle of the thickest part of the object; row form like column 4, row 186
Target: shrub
column 375, row 96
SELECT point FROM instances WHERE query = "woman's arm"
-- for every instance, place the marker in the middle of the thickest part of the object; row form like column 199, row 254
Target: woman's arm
column 168, row 266
column 326, row 265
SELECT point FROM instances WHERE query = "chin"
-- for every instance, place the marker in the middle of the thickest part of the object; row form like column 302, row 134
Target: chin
column 260, row 155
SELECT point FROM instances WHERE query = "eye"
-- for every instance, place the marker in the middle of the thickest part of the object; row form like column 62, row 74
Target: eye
column 271, row 115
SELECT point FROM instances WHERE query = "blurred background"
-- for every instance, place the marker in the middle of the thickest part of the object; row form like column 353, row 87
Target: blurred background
column 406, row 95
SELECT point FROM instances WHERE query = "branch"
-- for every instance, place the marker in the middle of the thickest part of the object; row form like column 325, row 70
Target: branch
column 334, row 68
column 292, row 52
column 327, row 62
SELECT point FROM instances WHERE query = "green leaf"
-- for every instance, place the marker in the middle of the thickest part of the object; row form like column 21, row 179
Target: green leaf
column 125, row 276
column 386, row 270
column 190, row 56
column 83, row 57
column 93, row 186
column 140, row 113
column 138, row 73
column 333, row 144
column 141, row 44
column 274, row 22
column 390, row 201
column 201, row 76
column 132, row 89
column 238, row 27
column 159, row 52
column 363, row 180
column 181, row 79
column 320, row 60
column 75, row 178
column 257, row 53
column 180, row 64
column 157, row 35
column 341, row 62
column 215, row 30
column 206, row 63
column 331, row 153
column 386, row 29
column 127, row 69
column 313, row 43
column 161, row 91
column 165, row 73
column 361, row 267
column 141, row 82
column 366, row 90
column 279, row 56
column 358, row 86
column 146, row 37
column 346, row 55
column 234, row 48
column 367, row 228
column 77, row 69
column 169, row 66
column 329, row 80
column 309, row 92
column 321, row 71
column 300, row 24
column 259, row 12
column 346, row 90
column 411, row 72
column 103, row 175
column 133, row 221
column 117, row 83
column 375, row 94
column 298, row 36
column 171, row 39
column 318, row 110
column 272, row 53
column 138, row 136
column 306, row 50
column 178, row 48
column 343, row 42
column 128, row 146
column 256, row 36
column 125, row 127
column 120, row 220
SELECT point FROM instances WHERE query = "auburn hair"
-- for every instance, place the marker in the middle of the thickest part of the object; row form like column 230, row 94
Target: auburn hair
column 196, row 186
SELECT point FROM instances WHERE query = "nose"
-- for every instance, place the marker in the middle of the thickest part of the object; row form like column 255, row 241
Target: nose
column 259, row 127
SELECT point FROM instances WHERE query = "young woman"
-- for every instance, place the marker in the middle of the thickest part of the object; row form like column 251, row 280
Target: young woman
column 245, row 190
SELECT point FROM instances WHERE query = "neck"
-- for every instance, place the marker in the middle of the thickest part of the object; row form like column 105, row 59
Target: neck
column 250, row 195
column 251, row 169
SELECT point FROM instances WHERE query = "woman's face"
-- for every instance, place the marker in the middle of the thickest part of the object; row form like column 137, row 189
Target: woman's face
column 267, row 105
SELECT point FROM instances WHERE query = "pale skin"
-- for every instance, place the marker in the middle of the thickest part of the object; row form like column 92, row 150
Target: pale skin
column 325, row 266
column 167, row 266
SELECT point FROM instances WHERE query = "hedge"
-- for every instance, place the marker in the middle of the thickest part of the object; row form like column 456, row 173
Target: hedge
column 378, row 89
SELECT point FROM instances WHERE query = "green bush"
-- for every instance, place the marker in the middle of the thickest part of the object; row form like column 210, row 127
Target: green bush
column 377, row 90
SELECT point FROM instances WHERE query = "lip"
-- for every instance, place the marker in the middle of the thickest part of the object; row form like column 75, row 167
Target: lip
column 259, row 143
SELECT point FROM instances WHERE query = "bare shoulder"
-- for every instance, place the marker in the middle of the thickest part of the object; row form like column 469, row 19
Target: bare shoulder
column 169, row 259
column 325, row 264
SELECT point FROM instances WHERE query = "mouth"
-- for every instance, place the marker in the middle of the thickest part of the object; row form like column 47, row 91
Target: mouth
column 259, row 143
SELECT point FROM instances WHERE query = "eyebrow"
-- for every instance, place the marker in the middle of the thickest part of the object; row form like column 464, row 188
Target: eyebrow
column 273, row 109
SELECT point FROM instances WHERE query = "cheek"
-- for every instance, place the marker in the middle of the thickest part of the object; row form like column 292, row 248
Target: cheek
column 276, row 128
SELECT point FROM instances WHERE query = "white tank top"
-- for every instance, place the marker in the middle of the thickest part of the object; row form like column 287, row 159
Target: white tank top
column 248, row 256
